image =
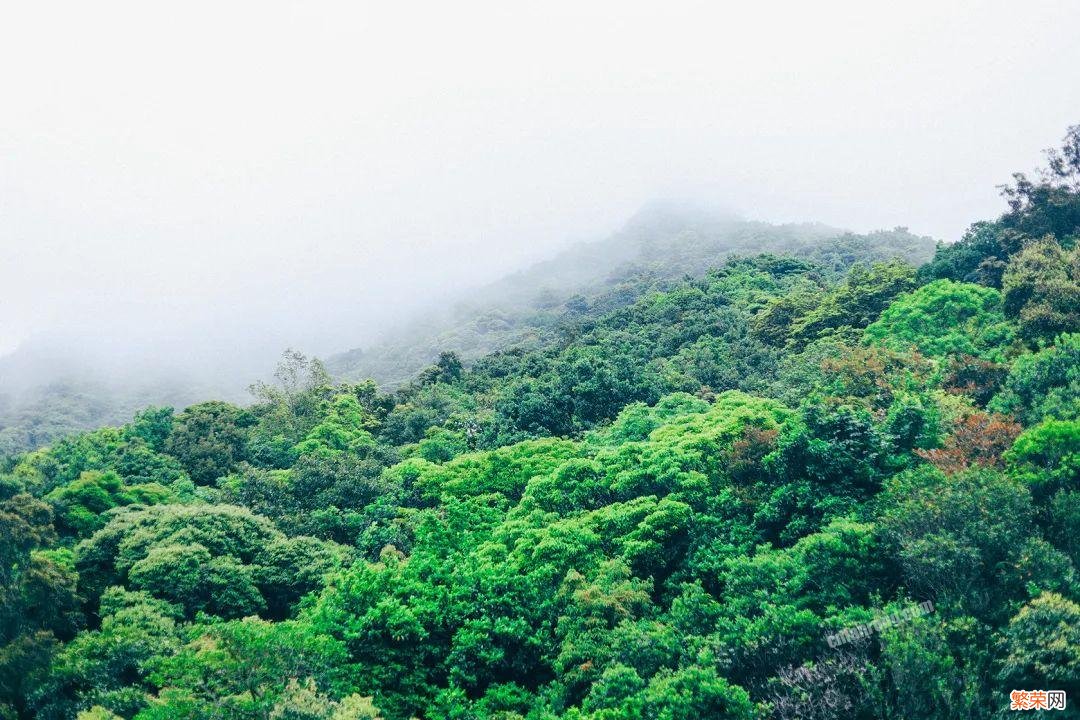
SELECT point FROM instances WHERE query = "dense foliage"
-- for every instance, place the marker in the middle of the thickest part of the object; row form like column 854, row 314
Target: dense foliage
column 669, row 505
column 657, row 249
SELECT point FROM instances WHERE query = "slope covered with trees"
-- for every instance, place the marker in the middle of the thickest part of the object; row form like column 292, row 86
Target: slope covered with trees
column 661, row 245
column 670, row 505
column 43, row 399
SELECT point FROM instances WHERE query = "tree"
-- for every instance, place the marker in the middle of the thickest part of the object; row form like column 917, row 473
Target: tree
column 303, row 701
column 980, row 379
column 189, row 576
column 81, row 505
column 942, row 319
column 1047, row 457
column 109, row 667
column 857, row 302
column 447, row 369
column 1041, row 289
column 976, row 439
column 245, row 666
column 345, row 426
column 1044, row 384
column 1041, row 646
column 209, row 439
column 217, row 559
column 980, row 256
column 1049, row 205
column 934, row 667
column 38, row 603
column 153, row 426
column 695, row 692
column 773, row 323
column 952, row 535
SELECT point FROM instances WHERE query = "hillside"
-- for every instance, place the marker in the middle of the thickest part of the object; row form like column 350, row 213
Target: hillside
column 660, row 245
column 814, row 483
column 42, row 398
column 42, row 401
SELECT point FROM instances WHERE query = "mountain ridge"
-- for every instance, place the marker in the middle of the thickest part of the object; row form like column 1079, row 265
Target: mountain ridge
column 663, row 241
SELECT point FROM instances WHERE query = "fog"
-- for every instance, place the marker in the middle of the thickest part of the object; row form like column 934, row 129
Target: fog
column 200, row 185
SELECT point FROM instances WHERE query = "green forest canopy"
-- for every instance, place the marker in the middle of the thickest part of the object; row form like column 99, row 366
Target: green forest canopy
column 660, row 507
column 659, row 247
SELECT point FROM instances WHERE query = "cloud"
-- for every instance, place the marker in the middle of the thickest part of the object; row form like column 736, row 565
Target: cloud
column 209, row 182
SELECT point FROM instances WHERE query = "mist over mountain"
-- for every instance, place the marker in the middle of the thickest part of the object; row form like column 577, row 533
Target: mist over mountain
column 53, row 385
column 539, row 361
column 662, row 243
column 687, row 471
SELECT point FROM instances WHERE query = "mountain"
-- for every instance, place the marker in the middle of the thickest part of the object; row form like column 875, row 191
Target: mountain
column 661, row 244
column 48, row 392
column 814, row 482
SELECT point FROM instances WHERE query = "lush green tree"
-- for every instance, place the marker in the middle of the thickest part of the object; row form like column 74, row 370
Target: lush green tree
column 345, row 427
column 66, row 460
column 80, row 506
column 422, row 408
column 945, row 318
column 244, row 668
column 1044, row 384
column 935, row 668
column 856, row 302
column 695, row 692
column 954, row 535
column 1041, row 289
column 153, row 426
column 209, row 439
column 1064, row 523
column 774, row 323
column 221, row 560
column 441, row 444
column 1042, row 646
column 110, row 667
column 980, row 256
column 38, row 603
column 1047, row 457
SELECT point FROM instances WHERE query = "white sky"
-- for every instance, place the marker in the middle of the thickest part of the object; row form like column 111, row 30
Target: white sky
column 198, row 178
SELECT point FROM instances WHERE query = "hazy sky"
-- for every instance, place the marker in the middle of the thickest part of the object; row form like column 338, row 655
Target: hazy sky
column 214, row 177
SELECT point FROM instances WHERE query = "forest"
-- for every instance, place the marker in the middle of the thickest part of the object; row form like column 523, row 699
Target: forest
column 823, row 477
